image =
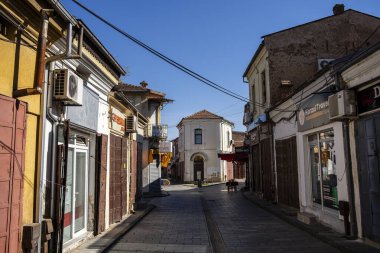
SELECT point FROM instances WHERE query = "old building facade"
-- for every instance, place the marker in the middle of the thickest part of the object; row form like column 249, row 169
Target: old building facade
column 284, row 61
column 202, row 136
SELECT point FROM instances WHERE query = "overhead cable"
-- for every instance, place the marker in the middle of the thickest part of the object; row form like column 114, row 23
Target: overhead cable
column 165, row 58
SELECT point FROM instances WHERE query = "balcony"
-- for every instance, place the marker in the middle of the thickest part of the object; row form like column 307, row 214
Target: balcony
column 156, row 131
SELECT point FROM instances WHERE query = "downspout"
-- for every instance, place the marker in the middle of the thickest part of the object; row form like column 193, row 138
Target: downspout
column 348, row 165
column 39, row 77
column 55, row 120
column 39, row 89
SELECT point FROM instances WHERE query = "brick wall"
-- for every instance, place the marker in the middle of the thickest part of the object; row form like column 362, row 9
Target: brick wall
column 293, row 53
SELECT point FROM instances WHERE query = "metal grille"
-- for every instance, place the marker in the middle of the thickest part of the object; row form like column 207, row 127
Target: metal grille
column 59, row 82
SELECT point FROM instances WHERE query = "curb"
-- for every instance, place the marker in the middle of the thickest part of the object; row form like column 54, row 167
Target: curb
column 329, row 236
column 146, row 211
column 108, row 239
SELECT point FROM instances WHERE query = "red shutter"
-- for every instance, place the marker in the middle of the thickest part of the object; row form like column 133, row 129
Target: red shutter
column 12, row 157
column 101, row 182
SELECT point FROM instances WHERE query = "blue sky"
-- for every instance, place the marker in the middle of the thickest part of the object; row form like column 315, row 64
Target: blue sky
column 215, row 38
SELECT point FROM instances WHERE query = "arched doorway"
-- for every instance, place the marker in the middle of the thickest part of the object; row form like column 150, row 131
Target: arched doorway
column 198, row 168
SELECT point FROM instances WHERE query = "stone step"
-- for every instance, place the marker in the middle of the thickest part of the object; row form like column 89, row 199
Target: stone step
column 306, row 218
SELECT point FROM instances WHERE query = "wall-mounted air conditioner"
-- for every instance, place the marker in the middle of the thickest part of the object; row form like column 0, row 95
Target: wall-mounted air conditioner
column 68, row 87
column 323, row 63
column 131, row 123
column 342, row 104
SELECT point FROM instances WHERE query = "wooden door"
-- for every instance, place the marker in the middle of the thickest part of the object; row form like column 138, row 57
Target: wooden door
column 139, row 170
column 369, row 174
column 266, row 168
column 12, row 160
column 124, row 176
column 198, row 169
column 101, row 174
column 255, row 170
column 115, row 179
column 287, row 172
column 133, row 174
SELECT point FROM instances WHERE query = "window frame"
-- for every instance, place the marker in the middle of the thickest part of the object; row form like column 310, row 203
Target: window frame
column 197, row 135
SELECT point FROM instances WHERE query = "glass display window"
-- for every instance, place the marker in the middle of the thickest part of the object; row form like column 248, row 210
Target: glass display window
column 322, row 160
column 75, row 218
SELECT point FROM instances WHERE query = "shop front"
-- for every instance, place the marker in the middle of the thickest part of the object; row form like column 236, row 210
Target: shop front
column 78, row 217
column 321, row 161
column 368, row 139
column 119, row 164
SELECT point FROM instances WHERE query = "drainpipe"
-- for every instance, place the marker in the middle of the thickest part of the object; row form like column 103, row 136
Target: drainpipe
column 49, row 112
column 67, row 54
column 39, row 77
column 348, row 165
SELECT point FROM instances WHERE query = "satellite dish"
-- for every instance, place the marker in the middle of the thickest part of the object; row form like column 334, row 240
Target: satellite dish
column 73, row 86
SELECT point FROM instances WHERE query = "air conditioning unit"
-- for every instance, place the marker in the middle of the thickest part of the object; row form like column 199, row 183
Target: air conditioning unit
column 342, row 105
column 131, row 123
column 68, row 87
column 323, row 63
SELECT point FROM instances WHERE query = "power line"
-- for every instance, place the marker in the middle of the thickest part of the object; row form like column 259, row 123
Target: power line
column 178, row 65
column 167, row 59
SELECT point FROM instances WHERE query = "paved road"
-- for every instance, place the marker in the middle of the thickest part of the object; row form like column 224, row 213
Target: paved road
column 189, row 219
column 177, row 224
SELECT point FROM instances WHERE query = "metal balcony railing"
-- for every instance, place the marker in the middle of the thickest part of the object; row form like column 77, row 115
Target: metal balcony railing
column 157, row 131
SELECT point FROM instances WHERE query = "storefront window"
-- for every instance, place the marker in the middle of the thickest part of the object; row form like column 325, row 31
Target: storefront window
column 75, row 194
column 323, row 169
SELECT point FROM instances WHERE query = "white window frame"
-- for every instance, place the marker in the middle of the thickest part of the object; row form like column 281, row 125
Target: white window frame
column 79, row 149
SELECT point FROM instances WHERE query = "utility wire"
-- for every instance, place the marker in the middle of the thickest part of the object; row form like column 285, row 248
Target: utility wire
column 176, row 64
column 165, row 58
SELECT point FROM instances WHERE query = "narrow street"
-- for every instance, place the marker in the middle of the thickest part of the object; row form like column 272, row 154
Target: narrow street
column 185, row 220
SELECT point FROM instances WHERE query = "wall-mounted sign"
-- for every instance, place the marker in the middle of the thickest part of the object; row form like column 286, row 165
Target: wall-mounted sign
column 117, row 120
column 166, row 147
column 369, row 99
column 314, row 112
column 243, row 149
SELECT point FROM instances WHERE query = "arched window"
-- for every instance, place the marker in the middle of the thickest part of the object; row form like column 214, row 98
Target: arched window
column 198, row 136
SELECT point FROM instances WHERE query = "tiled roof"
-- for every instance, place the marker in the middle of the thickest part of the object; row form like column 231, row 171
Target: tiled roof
column 204, row 114
column 129, row 87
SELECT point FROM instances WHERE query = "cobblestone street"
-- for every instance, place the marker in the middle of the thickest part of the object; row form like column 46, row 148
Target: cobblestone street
column 179, row 224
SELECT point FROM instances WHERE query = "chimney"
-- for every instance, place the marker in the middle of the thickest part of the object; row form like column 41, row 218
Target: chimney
column 338, row 9
column 144, row 84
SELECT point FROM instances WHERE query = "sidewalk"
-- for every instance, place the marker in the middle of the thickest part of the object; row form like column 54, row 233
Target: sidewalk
column 107, row 239
column 323, row 233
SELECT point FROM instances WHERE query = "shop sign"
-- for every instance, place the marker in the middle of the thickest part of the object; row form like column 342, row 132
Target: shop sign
column 117, row 120
column 368, row 99
column 314, row 112
column 244, row 149
column 166, row 147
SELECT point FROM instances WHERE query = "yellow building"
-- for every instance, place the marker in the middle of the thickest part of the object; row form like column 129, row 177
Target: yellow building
column 22, row 68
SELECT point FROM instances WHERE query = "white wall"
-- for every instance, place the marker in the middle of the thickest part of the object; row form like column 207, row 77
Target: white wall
column 324, row 214
column 214, row 141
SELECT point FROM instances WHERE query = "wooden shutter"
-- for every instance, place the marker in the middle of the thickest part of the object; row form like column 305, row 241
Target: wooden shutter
column 102, row 143
column 12, row 164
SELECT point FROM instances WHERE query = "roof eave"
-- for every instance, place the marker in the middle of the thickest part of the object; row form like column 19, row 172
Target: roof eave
column 102, row 47
column 258, row 50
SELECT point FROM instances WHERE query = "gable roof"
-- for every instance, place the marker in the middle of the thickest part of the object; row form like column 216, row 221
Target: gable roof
column 204, row 114
column 130, row 88
column 318, row 20
column 262, row 44
column 98, row 48
column 151, row 94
